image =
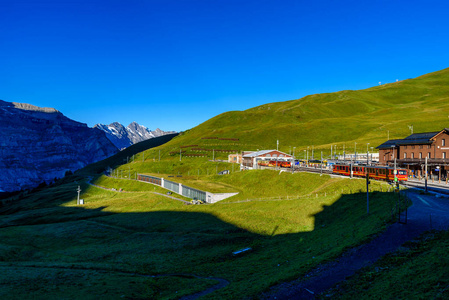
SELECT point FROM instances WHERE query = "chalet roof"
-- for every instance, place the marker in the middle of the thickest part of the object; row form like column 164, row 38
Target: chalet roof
column 413, row 139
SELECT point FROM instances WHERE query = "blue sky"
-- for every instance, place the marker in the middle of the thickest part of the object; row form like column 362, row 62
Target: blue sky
column 175, row 64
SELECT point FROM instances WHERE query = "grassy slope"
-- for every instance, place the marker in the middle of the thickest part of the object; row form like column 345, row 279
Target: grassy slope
column 335, row 118
column 136, row 234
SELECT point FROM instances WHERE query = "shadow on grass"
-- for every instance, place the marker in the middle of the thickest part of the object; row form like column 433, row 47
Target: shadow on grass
column 183, row 242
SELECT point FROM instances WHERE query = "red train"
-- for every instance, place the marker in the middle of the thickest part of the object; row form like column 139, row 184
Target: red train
column 272, row 163
column 380, row 173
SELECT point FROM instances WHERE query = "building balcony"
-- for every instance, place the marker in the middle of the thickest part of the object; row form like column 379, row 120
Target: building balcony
column 420, row 161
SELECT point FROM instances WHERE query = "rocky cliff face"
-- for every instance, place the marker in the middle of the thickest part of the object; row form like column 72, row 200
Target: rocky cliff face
column 123, row 137
column 40, row 144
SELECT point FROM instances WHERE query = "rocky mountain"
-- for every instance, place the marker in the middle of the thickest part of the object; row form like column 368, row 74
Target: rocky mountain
column 40, row 144
column 123, row 137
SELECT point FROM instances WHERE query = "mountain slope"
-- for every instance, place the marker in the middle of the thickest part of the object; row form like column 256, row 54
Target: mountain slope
column 365, row 116
column 123, row 137
column 39, row 144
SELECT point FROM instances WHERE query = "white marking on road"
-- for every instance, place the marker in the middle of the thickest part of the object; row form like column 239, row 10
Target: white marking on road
column 425, row 202
column 310, row 291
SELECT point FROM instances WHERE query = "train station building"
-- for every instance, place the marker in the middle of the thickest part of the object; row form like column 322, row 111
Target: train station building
column 411, row 153
column 250, row 159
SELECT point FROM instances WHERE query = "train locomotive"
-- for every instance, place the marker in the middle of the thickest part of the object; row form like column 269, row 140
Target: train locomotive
column 374, row 172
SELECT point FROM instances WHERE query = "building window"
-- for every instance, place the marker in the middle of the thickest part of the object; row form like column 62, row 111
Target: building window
column 443, row 142
column 444, row 155
column 428, row 146
column 405, row 155
column 420, row 154
column 413, row 155
column 428, row 154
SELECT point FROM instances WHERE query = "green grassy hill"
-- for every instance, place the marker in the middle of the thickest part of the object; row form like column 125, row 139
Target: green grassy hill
column 364, row 116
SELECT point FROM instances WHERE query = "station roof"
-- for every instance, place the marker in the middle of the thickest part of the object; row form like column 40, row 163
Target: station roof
column 263, row 152
column 413, row 139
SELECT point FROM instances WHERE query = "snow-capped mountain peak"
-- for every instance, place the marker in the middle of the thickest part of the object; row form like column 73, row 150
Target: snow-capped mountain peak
column 123, row 137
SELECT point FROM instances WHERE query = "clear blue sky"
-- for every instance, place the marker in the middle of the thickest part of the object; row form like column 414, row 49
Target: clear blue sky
column 175, row 64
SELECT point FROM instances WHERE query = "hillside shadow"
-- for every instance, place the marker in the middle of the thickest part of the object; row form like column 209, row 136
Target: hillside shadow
column 163, row 242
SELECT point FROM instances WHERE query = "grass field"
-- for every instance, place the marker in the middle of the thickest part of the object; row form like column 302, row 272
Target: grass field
column 143, row 245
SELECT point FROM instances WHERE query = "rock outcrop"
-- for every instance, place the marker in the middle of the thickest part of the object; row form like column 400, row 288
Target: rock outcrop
column 123, row 137
column 40, row 144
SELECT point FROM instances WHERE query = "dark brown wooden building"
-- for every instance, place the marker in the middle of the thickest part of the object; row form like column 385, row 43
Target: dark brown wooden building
column 412, row 151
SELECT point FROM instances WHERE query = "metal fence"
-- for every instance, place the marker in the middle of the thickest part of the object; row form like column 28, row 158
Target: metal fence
column 193, row 193
column 151, row 179
column 174, row 187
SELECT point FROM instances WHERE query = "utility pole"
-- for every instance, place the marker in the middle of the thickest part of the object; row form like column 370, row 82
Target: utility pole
column 367, row 192
column 307, row 160
column 426, row 176
column 367, row 154
column 344, row 153
column 355, row 152
column 277, row 145
column 78, row 199
column 321, row 163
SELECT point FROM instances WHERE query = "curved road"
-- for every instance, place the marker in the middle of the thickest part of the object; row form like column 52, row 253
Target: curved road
column 427, row 212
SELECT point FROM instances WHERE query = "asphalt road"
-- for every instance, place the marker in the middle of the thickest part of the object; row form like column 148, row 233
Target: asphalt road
column 427, row 212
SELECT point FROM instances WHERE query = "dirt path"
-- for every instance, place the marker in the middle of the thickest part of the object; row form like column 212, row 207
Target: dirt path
column 426, row 213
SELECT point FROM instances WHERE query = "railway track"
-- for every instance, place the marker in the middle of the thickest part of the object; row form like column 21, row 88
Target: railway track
column 313, row 170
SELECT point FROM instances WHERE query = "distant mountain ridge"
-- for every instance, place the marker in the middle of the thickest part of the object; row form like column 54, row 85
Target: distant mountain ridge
column 40, row 144
column 123, row 137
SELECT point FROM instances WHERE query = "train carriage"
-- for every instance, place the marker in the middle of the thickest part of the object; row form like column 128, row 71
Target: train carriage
column 375, row 172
